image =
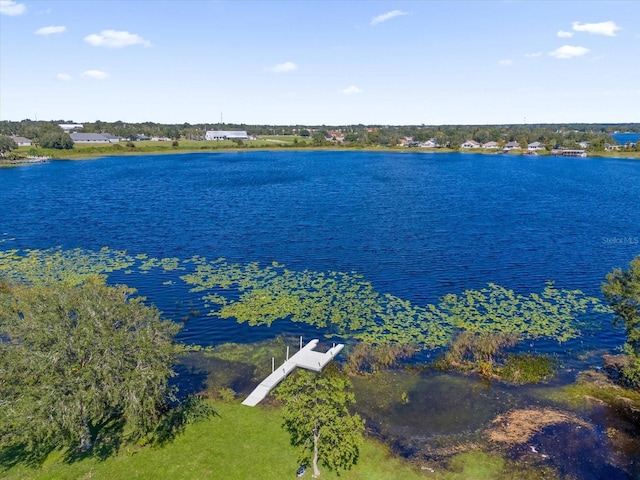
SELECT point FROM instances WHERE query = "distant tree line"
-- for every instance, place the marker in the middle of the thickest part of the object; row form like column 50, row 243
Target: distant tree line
column 50, row 135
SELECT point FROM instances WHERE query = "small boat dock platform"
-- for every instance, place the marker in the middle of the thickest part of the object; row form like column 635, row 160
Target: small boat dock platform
column 306, row 358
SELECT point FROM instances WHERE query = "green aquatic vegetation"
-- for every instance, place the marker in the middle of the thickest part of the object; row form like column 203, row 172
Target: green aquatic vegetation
column 554, row 313
column 346, row 304
column 528, row 368
column 342, row 304
column 166, row 264
column 38, row 266
column 595, row 387
column 56, row 265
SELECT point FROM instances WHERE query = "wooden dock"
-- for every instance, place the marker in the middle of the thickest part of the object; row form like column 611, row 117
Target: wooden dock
column 306, row 358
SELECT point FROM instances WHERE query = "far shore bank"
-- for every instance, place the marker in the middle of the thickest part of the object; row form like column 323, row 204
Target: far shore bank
column 95, row 152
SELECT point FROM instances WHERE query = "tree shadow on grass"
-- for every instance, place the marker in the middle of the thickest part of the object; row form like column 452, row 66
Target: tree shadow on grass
column 24, row 454
column 192, row 409
column 108, row 438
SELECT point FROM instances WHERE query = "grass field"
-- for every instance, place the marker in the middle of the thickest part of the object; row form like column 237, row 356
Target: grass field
column 240, row 443
column 248, row 443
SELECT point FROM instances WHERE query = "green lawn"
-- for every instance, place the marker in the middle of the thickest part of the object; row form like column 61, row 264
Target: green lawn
column 241, row 443
column 247, row 443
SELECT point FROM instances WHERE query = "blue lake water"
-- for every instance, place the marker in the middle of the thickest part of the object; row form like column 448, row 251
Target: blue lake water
column 416, row 225
column 624, row 138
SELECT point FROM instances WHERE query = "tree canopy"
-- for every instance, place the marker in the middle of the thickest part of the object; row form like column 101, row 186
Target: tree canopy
column 77, row 361
column 54, row 139
column 317, row 417
column 622, row 291
column 7, row 144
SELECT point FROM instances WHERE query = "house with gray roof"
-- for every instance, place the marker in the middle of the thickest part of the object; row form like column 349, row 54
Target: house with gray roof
column 21, row 141
column 512, row 146
column 93, row 138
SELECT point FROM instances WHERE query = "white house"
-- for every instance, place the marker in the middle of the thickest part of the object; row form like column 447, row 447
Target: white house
column 535, row 146
column 470, row 144
column 226, row 135
column 431, row 143
column 93, row 138
column 21, row 141
column 490, row 145
column 511, row 146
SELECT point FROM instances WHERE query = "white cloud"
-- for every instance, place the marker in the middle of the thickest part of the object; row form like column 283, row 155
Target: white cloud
column 603, row 28
column 506, row 62
column 533, row 55
column 64, row 77
column 564, row 34
column 94, row 74
column 387, row 16
column 283, row 67
column 11, row 8
column 115, row 39
column 351, row 90
column 568, row 51
column 50, row 30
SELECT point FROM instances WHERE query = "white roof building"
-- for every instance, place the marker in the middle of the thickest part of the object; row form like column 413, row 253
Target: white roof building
column 226, row 135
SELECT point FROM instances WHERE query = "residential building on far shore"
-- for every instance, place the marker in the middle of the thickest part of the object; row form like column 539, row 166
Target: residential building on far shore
column 21, row 141
column 431, row 143
column 490, row 145
column 512, row 146
column 470, row 144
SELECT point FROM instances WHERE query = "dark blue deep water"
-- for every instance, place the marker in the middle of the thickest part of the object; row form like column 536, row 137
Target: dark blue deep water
column 416, row 225
column 624, row 138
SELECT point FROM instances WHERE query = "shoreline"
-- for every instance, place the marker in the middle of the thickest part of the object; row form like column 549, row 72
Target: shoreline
column 88, row 155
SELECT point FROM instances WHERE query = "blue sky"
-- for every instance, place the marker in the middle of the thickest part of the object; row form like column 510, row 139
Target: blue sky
column 325, row 62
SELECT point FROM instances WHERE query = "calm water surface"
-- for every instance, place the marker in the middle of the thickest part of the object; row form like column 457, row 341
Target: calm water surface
column 416, row 225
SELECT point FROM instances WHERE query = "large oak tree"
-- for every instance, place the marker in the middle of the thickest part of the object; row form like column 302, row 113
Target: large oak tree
column 76, row 359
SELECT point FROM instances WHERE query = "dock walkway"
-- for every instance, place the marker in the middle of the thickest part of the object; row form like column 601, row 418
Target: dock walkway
column 306, row 358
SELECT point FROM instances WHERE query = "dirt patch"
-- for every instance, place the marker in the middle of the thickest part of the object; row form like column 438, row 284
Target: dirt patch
column 519, row 426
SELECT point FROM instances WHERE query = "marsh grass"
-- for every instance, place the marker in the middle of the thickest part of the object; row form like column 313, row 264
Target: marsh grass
column 527, row 368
